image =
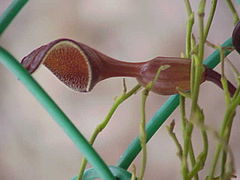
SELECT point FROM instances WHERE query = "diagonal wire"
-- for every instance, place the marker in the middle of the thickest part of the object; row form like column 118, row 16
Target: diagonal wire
column 57, row 114
column 9, row 14
column 63, row 121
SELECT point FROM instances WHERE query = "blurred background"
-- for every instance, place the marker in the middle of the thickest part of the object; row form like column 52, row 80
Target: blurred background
column 32, row 146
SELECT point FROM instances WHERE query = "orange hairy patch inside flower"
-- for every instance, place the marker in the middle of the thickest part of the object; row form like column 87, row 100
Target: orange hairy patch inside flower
column 70, row 65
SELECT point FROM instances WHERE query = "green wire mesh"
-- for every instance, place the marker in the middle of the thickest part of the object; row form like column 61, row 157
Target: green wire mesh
column 9, row 14
column 100, row 169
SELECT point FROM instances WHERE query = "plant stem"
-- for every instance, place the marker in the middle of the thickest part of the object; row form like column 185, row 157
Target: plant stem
column 231, row 104
column 104, row 123
column 226, row 139
column 170, row 129
column 143, row 135
column 184, row 164
column 190, row 23
column 203, row 155
column 192, row 157
column 198, row 64
column 188, row 7
column 9, row 14
column 223, row 79
column 218, row 148
column 210, row 18
column 189, row 46
column 186, row 147
column 165, row 111
column 228, row 117
column 197, row 69
column 183, row 112
column 133, row 177
column 193, row 59
column 233, row 10
column 201, row 14
column 228, row 101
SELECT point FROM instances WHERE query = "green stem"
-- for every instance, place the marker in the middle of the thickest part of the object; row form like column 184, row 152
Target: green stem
column 190, row 23
column 186, row 147
column 201, row 13
column 198, row 77
column 218, row 148
column 192, row 158
column 164, row 112
column 189, row 46
column 9, row 14
column 226, row 142
column 143, row 136
column 233, row 10
column 183, row 112
column 198, row 69
column 104, row 123
column 223, row 79
column 193, row 59
column 57, row 114
column 184, row 164
column 188, row 7
column 198, row 63
column 237, row 92
column 226, row 122
column 201, row 159
column 133, row 173
column 175, row 140
column 210, row 18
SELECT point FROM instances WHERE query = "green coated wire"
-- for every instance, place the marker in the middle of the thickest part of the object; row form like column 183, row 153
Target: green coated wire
column 164, row 112
column 12, row 64
column 119, row 173
column 9, row 14
column 60, row 118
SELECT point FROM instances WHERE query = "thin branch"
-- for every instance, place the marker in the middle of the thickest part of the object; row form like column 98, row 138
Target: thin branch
column 104, row 123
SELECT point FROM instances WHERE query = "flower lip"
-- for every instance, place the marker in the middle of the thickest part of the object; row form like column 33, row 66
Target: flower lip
column 65, row 58
column 32, row 61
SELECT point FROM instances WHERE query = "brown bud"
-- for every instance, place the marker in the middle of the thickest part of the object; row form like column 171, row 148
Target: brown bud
column 177, row 75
